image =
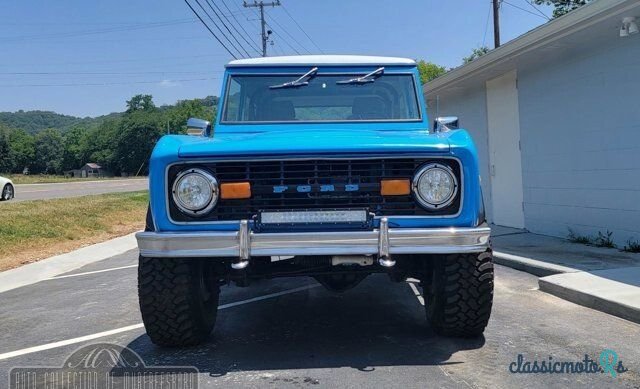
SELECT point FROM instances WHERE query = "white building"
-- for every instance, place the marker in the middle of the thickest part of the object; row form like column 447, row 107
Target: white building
column 555, row 115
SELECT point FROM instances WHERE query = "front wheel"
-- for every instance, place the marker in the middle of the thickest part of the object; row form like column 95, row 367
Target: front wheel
column 178, row 300
column 7, row 192
column 460, row 295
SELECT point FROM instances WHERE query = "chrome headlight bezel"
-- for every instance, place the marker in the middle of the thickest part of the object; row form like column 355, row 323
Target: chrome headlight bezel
column 213, row 198
column 419, row 197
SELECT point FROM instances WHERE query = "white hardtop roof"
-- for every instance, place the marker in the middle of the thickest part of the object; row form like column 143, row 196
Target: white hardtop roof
column 314, row 60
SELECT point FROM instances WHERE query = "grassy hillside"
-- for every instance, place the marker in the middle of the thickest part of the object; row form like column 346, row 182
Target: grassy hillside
column 51, row 143
column 35, row 121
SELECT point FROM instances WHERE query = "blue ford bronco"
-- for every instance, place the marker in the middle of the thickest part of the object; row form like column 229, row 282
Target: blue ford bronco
column 317, row 166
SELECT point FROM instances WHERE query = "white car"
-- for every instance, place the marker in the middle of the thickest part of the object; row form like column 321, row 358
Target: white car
column 7, row 190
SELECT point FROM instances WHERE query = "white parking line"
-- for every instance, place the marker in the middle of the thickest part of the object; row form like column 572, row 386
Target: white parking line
column 268, row 296
column 417, row 293
column 67, row 342
column 91, row 272
column 81, row 339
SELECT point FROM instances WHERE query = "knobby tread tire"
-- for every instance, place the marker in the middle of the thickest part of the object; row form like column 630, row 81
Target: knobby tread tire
column 460, row 296
column 174, row 310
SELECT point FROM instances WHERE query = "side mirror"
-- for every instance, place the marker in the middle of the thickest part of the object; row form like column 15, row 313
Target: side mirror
column 445, row 123
column 198, row 127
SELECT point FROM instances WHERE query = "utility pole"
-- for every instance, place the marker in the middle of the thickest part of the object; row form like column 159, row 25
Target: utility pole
column 263, row 24
column 496, row 23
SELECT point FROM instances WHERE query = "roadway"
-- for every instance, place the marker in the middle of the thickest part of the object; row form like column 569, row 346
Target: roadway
column 291, row 333
column 25, row 192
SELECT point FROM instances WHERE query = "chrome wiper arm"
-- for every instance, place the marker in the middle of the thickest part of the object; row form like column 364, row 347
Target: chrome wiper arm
column 371, row 77
column 299, row 81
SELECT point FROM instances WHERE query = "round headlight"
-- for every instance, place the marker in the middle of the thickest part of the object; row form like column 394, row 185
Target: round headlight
column 435, row 186
column 195, row 191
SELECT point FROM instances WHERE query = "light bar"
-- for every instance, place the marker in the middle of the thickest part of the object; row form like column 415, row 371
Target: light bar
column 308, row 217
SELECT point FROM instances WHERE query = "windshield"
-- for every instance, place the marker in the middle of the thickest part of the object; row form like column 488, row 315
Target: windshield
column 321, row 98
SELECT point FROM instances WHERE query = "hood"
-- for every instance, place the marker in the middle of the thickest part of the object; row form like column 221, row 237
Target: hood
column 307, row 141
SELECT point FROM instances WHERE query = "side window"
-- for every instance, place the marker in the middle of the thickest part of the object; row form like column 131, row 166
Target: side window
column 232, row 107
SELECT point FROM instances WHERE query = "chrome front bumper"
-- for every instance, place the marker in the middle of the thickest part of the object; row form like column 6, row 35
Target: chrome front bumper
column 383, row 242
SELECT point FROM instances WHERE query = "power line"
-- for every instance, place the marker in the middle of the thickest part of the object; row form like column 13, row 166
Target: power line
column 250, row 11
column 227, row 27
column 207, row 27
column 301, row 29
column 99, row 73
column 282, row 39
column 524, row 10
column 218, row 27
column 263, row 23
column 486, row 26
column 107, row 83
column 277, row 49
column 537, row 9
column 291, row 36
column 249, row 41
column 98, row 31
column 106, row 61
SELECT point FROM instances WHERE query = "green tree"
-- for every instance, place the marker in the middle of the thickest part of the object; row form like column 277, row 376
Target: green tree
column 75, row 148
column 176, row 116
column 475, row 54
column 428, row 71
column 138, row 134
column 562, row 7
column 22, row 150
column 6, row 164
column 100, row 144
column 49, row 152
column 140, row 103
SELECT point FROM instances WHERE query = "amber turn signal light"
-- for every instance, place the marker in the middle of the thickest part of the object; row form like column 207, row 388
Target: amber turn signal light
column 395, row 187
column 235, row 190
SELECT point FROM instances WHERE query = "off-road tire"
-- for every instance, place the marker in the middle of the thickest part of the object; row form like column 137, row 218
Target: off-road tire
column 178, row 300
column 460, row 295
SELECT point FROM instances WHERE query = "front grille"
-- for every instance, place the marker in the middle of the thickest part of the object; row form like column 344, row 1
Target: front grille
column 326, row 184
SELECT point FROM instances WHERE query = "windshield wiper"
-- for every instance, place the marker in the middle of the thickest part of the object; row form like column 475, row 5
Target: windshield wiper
column 367, row 78
column 298, row 82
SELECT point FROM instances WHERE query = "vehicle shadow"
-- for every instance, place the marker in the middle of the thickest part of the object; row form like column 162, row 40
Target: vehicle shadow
column 376, row 324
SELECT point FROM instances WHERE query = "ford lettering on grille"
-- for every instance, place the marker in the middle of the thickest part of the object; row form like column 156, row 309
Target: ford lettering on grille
column 312, row 189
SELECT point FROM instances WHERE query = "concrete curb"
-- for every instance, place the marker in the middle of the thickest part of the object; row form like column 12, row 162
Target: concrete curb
column 579, row 287
column 529, row 265
column 51, row 267
column 590, row 290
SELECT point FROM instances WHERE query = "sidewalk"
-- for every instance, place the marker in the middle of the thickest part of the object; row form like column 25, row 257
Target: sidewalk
column 53, row 266
column 604, row 279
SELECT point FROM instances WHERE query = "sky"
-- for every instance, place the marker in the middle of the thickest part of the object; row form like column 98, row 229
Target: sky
column 86, row 58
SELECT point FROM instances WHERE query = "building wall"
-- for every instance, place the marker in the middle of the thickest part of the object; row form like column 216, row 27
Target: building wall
column 580, row 134
column 470, row 106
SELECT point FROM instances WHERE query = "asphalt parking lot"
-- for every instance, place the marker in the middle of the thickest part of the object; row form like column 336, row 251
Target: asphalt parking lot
column 292, row 333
